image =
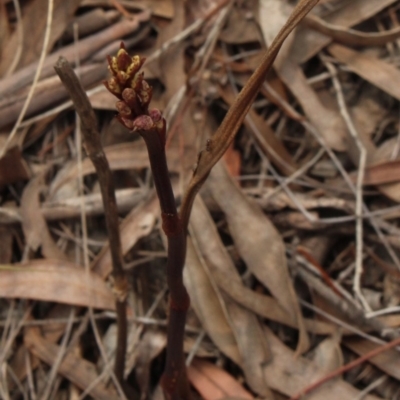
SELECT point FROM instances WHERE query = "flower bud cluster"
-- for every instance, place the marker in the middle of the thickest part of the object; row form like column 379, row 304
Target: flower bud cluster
column 133, row 92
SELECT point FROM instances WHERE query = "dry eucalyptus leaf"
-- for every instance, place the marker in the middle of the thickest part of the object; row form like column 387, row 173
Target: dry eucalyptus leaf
column 328, row 354
column 308, row 42
column 214, row 383
column 387, row 361
column 246, row 327
column 34, row 225
column 223, row 271
column 383, row 153
column 171, row 61
column 289, row 375
column 57, row 281
column 239, row 30
column 264, row 136
column 137, row 224
column 208, row 304
column 76, row 369
column 258, row 243
column 121, row 156
column 351, row 37
column 51, row 332
column 374, row 70
column 391, row 290
column 149, row 347
column 328, row 122
column 384, row 172
column 273, row 14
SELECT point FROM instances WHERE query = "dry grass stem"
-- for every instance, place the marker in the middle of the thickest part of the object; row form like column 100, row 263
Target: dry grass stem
column 43, row 54
column 359, row 186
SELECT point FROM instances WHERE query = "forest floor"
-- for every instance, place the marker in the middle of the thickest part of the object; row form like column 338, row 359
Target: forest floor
column 293, row 257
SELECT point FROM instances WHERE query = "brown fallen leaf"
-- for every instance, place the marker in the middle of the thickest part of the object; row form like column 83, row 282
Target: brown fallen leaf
column 34, row 225
column 383, row 154
column 138, row 223
column 56, row 281
column 387, row 361
column 263, row 135
column 239, row 30
column 79, row 371
column 366, row 115
column 51, row 332
column 289, row 374
column 328, row 354
column 378, row 174
column 272, row 15
column 181, row 147
column 246, row 327
column 252, row 346
column 308, row 42
column 223, row 271
column 213, row 383
column 149, row 347
column 208, row 304
column 171, row 65
column 372, row 69
column 259, row 244
column 121, row 156
column 351, row 37
column 327, row 121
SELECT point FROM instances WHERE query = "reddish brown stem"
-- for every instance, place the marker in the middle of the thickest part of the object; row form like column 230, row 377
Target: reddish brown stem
column 174, row 380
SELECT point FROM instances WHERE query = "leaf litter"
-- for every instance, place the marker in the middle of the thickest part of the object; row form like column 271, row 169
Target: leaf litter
column 258, row 326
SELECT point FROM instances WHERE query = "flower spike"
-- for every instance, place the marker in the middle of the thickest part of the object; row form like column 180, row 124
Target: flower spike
column 133, row 92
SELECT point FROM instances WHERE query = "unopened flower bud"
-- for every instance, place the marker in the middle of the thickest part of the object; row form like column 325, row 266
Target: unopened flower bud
column 123, row 109
column 128, row 123
column 123, row 60
column 113, row 86
column 143, row 123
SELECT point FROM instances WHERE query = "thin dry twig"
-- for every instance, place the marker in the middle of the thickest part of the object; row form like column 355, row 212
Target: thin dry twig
column 28, row 366
column 60, row 356
column 96, row 154
column 12, row 335
column 346, row 368
column 359, row 185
